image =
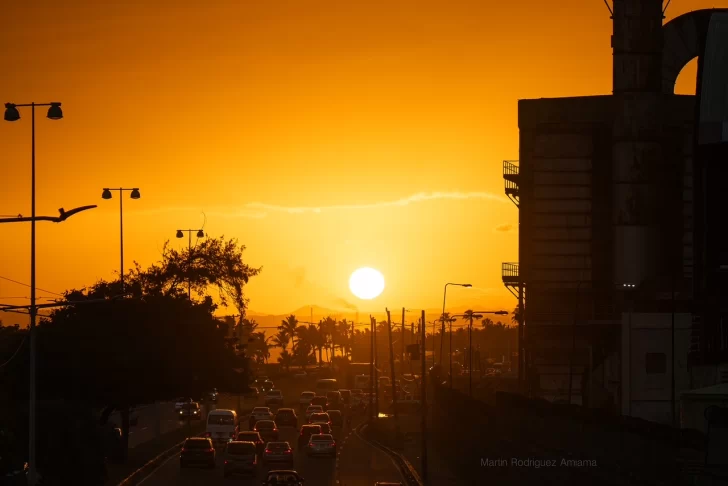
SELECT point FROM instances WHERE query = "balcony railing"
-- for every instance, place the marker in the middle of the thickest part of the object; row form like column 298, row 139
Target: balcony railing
column 509, row 271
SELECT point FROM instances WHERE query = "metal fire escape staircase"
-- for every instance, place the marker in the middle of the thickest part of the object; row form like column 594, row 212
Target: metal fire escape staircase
column 511, row 177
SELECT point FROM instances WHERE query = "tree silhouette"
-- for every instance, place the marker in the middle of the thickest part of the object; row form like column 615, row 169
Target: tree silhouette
column 289, row 326
column 286, row 359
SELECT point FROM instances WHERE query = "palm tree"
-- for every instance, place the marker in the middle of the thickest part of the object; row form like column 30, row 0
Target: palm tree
column 289, row 326
column 487, row 322
column 327, row 328
column 315, row 338
column 516, row 317
column 285, row 359
column 280, row 340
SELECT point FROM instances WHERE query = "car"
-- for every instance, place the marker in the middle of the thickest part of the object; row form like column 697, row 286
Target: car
column 266, row 386
column 357, row 396
column 319, row 400
column 179, row 403
column 240, row 458
column 254, row 437
column 253, row 394
column 190, row 411
column 286, row 417
column 306, row 432
column 333, row 400
column 260, row 413
column 311, row 409
column 197, row 450
column 345, row 396
column 321, row 444
column 305, row 399
column 301, row 374
column 274, row 397
column 319, row 418
column 278, row 453
column 267, row 429
column 261, row 379
column 337, row 419
column 289, row 477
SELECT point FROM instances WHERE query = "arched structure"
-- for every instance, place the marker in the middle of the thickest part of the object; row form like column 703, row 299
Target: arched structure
column 684, row 40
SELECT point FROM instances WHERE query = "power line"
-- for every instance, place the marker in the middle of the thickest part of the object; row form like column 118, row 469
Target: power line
column 15, row 353
column 26, row 285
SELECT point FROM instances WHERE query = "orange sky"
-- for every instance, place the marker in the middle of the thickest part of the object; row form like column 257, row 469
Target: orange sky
column 247, row 112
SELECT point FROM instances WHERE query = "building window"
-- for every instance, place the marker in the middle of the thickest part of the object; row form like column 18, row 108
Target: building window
column 655, row 363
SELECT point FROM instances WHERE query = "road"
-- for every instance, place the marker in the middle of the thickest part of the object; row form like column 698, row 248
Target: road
column 358, row 465
column 146, row 429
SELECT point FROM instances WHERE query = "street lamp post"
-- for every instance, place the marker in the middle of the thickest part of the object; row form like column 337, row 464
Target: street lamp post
column 470, row 315
column 12, row 114
column 442, row 318
column 134, row 195
column 180, row 234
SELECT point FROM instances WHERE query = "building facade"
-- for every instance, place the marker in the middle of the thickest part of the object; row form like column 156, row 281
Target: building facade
column 604, row 188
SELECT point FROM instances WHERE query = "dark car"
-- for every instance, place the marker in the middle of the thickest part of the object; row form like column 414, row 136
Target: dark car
column 306, row 432
column 255, row 438
column 240, row 458
column 267, row 429
column 289, row 477
column 278, row 453
column 333, row 400
column 337, row 419
column 266, row 386
column 286, row 417
column 319, row 400
column 197, row 450
column 325, row 428
column 346, row 396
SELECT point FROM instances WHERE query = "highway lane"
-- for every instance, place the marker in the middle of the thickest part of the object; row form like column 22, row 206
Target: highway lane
column 316, row 470
column 149, row 417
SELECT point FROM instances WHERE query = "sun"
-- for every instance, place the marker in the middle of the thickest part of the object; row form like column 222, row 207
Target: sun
column 366, row 283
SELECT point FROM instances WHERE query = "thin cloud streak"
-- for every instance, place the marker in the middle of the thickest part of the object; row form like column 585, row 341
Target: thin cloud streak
column 258, row 210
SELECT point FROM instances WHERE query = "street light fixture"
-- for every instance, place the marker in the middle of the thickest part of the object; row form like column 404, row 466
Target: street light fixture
column 106, row 194
column 180, row 234
column 470, row 315
column 442, row 334
column 12, row 114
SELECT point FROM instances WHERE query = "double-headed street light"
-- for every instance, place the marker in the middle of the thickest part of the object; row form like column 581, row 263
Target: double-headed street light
column 134, row 195
column 470, row 315
column 12, row 114
column 180, row 234
column 442, row 334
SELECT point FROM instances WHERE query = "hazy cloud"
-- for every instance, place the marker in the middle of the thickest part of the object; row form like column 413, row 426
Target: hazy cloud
column 299, row 277
column 503, row 228
column 259, row 210
column 347, row 305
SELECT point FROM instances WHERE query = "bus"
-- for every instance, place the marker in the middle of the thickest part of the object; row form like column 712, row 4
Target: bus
column 326, row 385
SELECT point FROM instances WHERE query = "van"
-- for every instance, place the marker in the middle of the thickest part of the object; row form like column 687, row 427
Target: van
column 326, row 385
column 222, row 426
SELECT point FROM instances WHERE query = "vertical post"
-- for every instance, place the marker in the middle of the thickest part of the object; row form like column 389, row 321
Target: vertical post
column 32, row 398
column 371, row 368
column 470, row 364
column 442, row 317
column 402, row 360
column 521, row 345
column 391, row 366
column 573, row 341
column 672, row 356
column 376, row 371
column 423, row 399
column 189, row 266
column 450, row 322
column 121, row 235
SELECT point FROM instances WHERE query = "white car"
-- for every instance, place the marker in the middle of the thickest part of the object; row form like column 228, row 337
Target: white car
column 312, row 409
column 260, row 413
column 180, row 402
column 305, row 399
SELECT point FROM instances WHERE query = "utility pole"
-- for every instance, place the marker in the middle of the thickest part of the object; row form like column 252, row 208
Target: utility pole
column 402, row 360
column 423, row 399
column 371, row 368
column 391, row 366
column 376, row 373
